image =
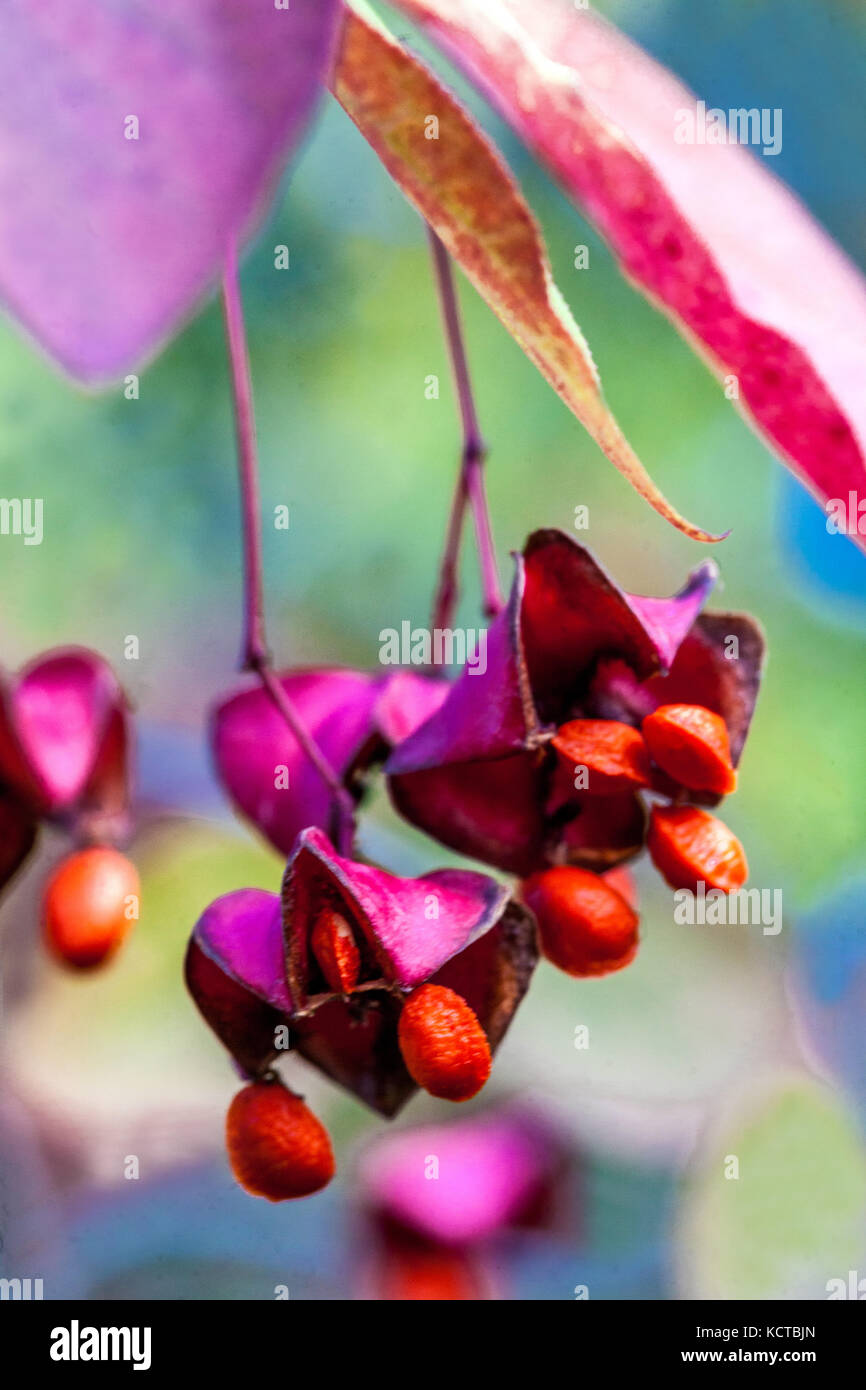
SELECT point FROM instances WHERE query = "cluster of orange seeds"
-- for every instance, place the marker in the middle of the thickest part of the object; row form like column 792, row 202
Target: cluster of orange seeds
column 586, row 926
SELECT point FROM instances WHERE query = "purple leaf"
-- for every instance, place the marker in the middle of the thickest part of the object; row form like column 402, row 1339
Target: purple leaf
column 136, row 141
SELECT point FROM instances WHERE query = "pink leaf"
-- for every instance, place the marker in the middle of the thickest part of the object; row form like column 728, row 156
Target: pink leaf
column 135, row 141
column 714, row 237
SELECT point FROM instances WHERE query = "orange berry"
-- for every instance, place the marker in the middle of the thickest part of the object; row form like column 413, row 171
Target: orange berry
column 691, row 745
column 86, row 908
column 443, row 1045
column 277, row 1148
column 586, row 927
column 689, row 847
column 336, row 951
column 614, row 754
column 426, row 1274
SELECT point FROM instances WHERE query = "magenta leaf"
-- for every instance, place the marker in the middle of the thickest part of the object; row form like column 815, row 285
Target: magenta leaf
column 64, row 735
column 704, row 229
column 137, row 141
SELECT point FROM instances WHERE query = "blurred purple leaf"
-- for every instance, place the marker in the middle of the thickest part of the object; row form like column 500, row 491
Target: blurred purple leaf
column 490, row 1174
column 136, row 141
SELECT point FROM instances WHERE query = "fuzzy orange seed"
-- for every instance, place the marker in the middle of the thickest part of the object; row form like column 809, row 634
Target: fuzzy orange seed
column 443, row 1044
column 614, row 754
column 89, row 905
column 336, row 951
column 276, row 1147
column 585, row 926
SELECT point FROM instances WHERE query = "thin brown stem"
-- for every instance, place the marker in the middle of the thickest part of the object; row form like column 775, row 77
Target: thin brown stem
column 254, row 654
column 470, row 489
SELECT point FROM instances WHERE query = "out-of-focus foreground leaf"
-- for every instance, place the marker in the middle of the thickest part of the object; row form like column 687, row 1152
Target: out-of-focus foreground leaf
column 135, row 142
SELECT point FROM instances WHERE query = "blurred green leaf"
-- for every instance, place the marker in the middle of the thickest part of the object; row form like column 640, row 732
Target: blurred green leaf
column 794, row 1218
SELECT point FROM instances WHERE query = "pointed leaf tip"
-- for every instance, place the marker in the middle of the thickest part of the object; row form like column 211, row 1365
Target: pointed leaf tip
column 462, row 187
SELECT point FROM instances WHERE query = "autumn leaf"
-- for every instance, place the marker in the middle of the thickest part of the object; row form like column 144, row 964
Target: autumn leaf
column 460, row 184
column 136, row 141
column 705, row 230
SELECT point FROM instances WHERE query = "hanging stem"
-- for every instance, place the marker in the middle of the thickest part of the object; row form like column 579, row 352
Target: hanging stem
column 470, row 490
column 254, row 654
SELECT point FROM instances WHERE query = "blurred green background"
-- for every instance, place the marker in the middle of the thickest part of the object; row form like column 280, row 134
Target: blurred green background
column 716, row 1040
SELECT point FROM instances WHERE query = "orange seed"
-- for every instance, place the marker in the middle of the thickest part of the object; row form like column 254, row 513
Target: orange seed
column 443, row 1044
column 336, row 951
column 277, row 1148
column 689, row 846
column 90, row 903
column 690, row 743
column 586, row 927
column 614, row 754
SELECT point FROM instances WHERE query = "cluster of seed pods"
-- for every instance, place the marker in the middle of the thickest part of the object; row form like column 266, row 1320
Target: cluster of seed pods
column 64, row 761
column 604, row 724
